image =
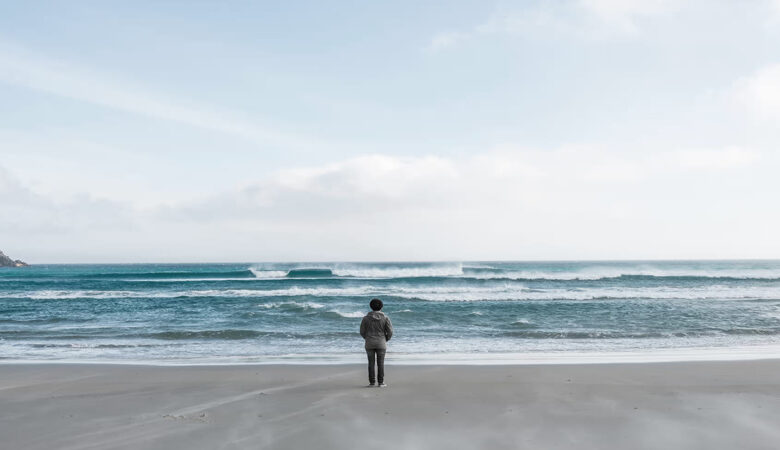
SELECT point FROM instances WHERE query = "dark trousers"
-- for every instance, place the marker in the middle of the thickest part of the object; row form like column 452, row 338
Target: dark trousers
column 378, row 355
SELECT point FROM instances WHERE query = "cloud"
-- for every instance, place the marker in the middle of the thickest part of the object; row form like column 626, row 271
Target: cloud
column 502, row 179
column 499, row 180
column 760, row 92
column 443, row 40
column 718, row 159
column 25, row 212
column 582, row 19
column 623, row 14
column 382, row 183
column 568, row 202
column 22, row 68
column 354, row 186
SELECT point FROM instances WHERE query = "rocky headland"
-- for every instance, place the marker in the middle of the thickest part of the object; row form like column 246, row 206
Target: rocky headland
column 5, row 261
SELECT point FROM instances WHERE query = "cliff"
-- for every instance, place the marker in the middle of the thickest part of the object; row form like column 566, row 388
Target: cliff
column 8, row 262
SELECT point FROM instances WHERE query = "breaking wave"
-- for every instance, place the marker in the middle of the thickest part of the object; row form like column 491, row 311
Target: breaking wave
column 429, row 293
column 349, row 315
column 346, row 271
column 433, row 271
column 487, row 272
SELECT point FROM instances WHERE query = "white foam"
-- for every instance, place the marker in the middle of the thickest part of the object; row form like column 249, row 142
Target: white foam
column 453, row 270
column 184, row 280
column 457, row 271
column 667, row 355
column 366, row 271
column 47, row 294
column 351, row 315
column 605, row 272
column 510, row 293
column 435, row 293
column 258, row 273
column 302, row 305
column 479, row 266
column 484, row 271
column 736, row 353
column 542, row 275
column 522, row 322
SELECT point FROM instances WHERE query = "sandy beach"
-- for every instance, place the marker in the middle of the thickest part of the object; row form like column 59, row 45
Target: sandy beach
column 642, row 406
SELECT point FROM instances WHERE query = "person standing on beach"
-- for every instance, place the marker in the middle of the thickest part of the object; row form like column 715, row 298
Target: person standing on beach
column 376, row 329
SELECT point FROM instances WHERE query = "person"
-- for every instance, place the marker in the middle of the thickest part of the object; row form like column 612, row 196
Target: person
column 376, row 329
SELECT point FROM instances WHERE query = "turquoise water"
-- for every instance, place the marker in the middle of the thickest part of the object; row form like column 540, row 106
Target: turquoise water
column 269, row 312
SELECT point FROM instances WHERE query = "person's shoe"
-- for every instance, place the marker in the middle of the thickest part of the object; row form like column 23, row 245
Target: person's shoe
column 370, row 385
column 382, row 385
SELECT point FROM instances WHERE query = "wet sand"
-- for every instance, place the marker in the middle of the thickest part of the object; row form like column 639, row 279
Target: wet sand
column 685, row 405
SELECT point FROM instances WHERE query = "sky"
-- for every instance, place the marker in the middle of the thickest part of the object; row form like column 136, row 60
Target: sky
column 389, row 131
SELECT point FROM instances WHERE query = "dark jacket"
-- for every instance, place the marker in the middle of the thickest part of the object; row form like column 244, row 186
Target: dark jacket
column 376, row 329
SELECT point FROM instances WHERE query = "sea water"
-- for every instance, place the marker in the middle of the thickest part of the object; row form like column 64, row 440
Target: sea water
column 454, row 312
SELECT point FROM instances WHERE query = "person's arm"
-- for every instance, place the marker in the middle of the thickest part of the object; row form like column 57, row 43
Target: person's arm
column 388, row 329
column 363, row 328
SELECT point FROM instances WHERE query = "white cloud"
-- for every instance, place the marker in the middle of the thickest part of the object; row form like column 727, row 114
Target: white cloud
column 443, row 40
column 22, row 68
column 25, row 212
column 623, row 14
column 588, row 19
column 499, row 180
column 354, row 186
column 718, row 159
column 760, row 92
column 571, row 202
column 371, row 175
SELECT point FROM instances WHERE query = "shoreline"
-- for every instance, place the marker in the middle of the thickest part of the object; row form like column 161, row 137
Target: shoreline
column 679, row 405
column 670, row 355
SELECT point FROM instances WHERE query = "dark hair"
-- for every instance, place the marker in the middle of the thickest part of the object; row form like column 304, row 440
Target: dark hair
column 376, row 304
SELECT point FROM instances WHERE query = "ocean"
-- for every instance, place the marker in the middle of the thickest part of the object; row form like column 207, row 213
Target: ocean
column 470, row 312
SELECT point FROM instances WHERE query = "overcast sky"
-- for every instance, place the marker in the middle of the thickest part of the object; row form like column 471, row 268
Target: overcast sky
column 420, row 130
